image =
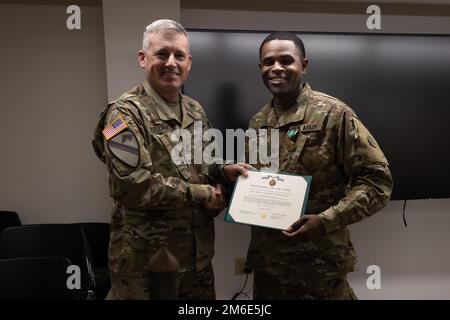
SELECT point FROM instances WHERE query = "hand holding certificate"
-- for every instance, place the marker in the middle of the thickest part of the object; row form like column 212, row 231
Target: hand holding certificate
column 268, row 199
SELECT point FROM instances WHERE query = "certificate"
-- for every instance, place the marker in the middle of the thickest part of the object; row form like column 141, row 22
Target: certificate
column 269, row 200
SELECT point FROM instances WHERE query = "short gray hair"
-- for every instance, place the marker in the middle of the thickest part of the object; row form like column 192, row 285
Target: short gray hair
column 159, row 25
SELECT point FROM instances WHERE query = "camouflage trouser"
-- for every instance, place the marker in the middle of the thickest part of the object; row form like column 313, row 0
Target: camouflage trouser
column 192, row 285
column 198, row 285
column 275, row 287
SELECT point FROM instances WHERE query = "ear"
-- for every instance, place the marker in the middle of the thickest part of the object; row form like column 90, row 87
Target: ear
column 305, row 65
column 190, row 62
column 260, row 66
column 142, row 58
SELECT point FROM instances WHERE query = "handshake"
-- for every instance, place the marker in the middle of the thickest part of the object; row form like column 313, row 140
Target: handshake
column 218, row 200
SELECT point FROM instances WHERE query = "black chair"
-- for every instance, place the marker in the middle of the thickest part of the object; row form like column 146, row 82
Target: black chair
column 9, row 219
column 62, row 240
column 97, row 235
column 37, row 278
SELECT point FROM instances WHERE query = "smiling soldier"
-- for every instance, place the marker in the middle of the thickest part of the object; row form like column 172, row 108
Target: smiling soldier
column 320, row 136
column 158, row 202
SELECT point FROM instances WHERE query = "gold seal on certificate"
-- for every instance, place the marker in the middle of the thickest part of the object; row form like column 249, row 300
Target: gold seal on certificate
column 269, row 200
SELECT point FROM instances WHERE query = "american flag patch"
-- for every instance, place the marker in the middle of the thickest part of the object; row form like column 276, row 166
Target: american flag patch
column 114, row 128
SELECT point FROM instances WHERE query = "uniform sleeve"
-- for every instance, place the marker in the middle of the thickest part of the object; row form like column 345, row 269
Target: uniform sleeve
column 370, row 181
column 217, row 174
column 134, row 182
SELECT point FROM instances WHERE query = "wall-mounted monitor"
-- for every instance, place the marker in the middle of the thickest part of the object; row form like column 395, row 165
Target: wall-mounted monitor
column 399, row 85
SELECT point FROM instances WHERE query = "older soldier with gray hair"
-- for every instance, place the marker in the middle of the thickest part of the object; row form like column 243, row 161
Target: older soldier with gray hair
column 158, row 202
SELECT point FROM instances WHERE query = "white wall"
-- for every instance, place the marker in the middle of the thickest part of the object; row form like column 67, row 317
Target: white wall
column 52, row 90
column 414, row 261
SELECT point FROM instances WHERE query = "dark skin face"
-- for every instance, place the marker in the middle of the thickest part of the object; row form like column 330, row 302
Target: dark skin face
column 282, row 69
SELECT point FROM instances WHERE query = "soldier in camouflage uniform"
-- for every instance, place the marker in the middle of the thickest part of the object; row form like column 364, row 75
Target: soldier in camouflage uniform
column 157, row 201
column 322, row 137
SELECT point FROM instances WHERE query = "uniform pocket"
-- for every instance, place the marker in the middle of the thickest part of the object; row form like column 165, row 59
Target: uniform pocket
column 288, row 158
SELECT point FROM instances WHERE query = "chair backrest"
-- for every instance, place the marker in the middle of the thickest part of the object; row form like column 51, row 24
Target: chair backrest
column 97, row 234
column 9, row 219
column 62, row 240
column 40, row 278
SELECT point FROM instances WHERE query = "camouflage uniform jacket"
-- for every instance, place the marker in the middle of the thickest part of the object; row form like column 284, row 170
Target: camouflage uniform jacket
column 156, row 202
column 350, row 181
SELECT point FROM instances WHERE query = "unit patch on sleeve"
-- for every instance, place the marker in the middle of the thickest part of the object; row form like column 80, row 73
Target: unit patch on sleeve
column 125, row 147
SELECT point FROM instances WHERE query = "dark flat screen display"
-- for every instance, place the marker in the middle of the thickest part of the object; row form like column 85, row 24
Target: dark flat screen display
column 398, row 85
